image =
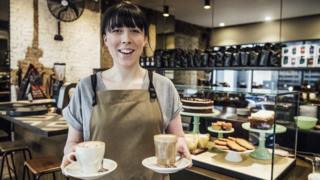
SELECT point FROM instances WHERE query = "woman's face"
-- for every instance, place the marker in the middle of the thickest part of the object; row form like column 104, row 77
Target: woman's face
column 125, row 45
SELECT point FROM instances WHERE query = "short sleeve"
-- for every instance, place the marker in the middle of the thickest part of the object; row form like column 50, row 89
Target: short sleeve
column 175, row 101
column 73, row 113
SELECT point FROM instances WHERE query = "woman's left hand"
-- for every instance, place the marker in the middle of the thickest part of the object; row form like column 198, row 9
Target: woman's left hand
column 182, row 148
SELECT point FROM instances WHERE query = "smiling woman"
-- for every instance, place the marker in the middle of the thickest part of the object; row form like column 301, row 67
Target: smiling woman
column 125, row 32
column 126, row 105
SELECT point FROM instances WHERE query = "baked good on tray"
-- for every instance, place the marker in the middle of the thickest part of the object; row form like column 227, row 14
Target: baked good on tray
column 197, row 105
column 262, row 119
column 221, row 125
column 233, row 143
column 196, row 142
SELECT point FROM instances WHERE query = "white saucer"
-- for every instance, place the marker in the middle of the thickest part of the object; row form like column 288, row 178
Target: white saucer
column 151, row 163
column 73, row 170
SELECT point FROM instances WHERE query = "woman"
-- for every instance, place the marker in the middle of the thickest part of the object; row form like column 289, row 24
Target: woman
column 125, row 106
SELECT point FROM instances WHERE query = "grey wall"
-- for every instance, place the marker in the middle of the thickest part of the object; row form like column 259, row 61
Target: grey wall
column 292, row 29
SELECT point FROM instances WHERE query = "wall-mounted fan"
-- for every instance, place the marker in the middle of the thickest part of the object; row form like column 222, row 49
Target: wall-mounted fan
column 66, row 11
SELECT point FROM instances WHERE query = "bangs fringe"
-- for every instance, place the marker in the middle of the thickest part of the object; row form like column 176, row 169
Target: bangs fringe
column 125, row 16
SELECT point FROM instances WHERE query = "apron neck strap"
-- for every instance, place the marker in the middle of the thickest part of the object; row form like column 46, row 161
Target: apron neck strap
column 94, row 87
column 152, row 90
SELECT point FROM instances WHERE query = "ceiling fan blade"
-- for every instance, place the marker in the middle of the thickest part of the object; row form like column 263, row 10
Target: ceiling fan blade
column 60, row 12
column 55, row 7
column 75, row 9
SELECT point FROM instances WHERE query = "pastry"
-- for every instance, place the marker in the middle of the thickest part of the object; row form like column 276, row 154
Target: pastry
column 219, row 142
column 244, row 143
column 203, row 140
column 235, row 146
column 227, row 126
column 232, row 138
column 223, row 139
column 221, row 125
column 317, row 127
column 216, row 126
column 221, row 147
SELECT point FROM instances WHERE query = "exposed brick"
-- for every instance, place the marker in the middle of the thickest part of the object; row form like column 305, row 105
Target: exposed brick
column 80, row 49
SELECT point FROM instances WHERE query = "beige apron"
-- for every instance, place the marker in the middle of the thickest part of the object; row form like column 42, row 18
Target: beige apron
column 127, row 120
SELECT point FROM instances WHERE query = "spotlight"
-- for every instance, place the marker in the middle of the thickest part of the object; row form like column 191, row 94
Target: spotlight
column 267, row 18
column 165, row 11
column 206, row 4
column 222, row 24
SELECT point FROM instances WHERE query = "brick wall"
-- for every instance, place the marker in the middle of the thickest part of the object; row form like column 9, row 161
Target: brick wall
column 80, row 49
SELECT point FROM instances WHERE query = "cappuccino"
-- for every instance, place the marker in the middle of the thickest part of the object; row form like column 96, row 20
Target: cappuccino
column 165, row 148
column 89, row 155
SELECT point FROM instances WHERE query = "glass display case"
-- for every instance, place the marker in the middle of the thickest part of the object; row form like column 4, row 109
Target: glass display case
column 251, row 130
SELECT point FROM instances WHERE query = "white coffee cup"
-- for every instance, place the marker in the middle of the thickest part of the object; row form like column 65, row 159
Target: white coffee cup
column 89, row 155
column 314, row 176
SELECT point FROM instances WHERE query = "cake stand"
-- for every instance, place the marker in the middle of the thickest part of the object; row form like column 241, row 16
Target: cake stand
column 234, row 156
column 196, row 118
column 261, row 152
column 220, row 132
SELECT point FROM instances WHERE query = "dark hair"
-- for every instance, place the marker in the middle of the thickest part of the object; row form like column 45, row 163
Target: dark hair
column 124, row 14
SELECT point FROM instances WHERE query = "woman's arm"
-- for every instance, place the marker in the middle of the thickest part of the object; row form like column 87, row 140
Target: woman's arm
column 175, row 127
column 74, row 137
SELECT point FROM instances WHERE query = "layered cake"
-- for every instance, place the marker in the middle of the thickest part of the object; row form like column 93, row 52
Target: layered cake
column 262, row 119
column 197, row 105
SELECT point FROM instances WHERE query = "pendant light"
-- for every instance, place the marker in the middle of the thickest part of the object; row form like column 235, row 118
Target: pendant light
column 207, row 4
column 165, row 11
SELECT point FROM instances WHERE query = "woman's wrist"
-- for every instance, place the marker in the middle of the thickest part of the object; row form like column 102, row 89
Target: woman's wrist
column 69, row 147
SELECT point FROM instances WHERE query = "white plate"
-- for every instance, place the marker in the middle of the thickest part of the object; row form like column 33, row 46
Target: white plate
column 74, row 170
column 281, row 152
column 214, row 113
column 151, row 163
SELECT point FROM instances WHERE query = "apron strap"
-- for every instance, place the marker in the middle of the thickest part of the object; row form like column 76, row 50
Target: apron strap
column 152, row 90
column 94, row 86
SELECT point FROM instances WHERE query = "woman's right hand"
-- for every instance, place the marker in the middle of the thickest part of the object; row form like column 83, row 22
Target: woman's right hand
column 65, row 161
column 70, row 147
column 74, row 137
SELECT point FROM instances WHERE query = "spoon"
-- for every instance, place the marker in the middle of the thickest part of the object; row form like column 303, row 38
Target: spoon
column 102, row 169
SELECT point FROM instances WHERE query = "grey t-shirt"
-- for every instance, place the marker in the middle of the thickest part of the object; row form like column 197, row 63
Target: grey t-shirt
column 78, row 112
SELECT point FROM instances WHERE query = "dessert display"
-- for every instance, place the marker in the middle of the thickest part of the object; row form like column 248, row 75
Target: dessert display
column 262, row 119
column 221, row 125
column 233, row 143
column 197, row 105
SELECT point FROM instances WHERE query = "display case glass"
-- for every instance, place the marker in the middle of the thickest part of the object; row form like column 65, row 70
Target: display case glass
column 251, row 130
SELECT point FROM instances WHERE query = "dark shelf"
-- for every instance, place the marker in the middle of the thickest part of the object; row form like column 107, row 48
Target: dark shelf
column 4, row 92
column 259, row 68
column 4, row 69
